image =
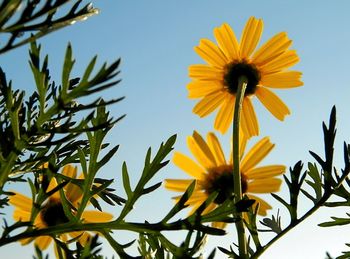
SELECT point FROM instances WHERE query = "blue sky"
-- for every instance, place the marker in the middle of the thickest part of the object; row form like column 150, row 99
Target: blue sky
column 155, row 41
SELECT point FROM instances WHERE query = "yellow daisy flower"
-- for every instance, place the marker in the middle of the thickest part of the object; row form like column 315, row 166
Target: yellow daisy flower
column 52, row 214
column 216, row 82
column 213, row 172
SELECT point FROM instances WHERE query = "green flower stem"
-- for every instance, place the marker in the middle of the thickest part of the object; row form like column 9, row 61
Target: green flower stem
column 237, row 185
column 319, row 204
column 103, row 228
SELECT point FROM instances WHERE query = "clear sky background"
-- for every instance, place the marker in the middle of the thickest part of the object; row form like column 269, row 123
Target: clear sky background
column 155, row 41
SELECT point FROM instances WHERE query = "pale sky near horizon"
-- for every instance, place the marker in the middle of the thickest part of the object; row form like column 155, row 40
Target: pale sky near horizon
column 155, row 41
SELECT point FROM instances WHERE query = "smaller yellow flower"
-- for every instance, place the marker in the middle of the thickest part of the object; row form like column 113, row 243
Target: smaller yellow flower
column 52, row 213
column 213, row 173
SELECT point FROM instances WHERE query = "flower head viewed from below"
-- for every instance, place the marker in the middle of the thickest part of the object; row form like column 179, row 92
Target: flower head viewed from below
column 216, row 83
column 213, row 172
column 52, row 212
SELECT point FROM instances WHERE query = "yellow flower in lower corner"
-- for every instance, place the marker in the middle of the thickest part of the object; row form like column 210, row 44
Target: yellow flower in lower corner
column 52, row 213
column 213, row 172
column 216, row 82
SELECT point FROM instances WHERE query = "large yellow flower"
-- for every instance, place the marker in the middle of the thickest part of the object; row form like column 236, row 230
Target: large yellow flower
column 213, row 172
column 52, row 214
column 216, row 82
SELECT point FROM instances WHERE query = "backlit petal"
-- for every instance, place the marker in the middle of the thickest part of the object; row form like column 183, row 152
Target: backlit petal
column 220, row 225
column 211, row 53
column 43, row 242
column 271, row 49
column 21, row 215
column 227, row 41
column 265, row 172
column 257, row 153
column 264, row 185
column 288, row 79
column 83, row 237
column 249, row 121
column 263, row 205
column 96, row 216
column 283, row 61
column 210, row 208
column 209, row 103
column 224, row 117
column 188, row 165
column 52, row 185
column 21, row 201
column 216, row 149
column 205, row 72
column 73, row 191
column 178, row 185
column 250, row 37
column 70, row 171
column 201, row 151
column 201, row 88
column 272, row 102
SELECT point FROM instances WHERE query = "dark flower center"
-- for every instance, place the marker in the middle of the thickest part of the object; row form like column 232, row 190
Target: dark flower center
column 220, row 180
column 234, row 71
column 53, row 214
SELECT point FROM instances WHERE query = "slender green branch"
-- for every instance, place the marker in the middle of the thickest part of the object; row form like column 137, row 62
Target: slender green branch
column 293, row 224
column 242, row 85
column 150, row 228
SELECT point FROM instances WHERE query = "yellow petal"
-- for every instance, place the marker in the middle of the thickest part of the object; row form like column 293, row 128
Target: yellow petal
column 83, row 237
column 263, row 205
column 21, row 215
column 201, row 151
column 271, row 49
column 209, row 103
column 264, row 185
column 227, row 42
column 96, row 216
column 43, row 242
column 73, row 191
column 69, row 171
column 272, row 102
column 205, row 72
column 195, row 206
column 257, row 153
column 197, row 196
column 250, row 37
column 21, row 201
column 265, row 172
column 288, row 79
column 188, row 165
column 216, row 149
column 249, row 121
column 224, row 117
column 211, row 53
column 210, row 208
column 52, row 185
column 220, row 225
column 201, row 88
column 25, row 241
column 283, row 61
column 178, row 185
column 39, row 223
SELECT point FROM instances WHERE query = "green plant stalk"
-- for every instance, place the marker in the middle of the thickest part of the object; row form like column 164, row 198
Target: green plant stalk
column 105, row 227
column 237, row 185
column 318, row 205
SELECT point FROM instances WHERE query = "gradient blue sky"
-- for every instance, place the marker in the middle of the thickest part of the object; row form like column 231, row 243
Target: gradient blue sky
column 155, row 40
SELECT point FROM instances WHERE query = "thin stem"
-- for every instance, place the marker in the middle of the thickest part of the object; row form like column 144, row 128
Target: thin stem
column 237, row 185
column 319, row 204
